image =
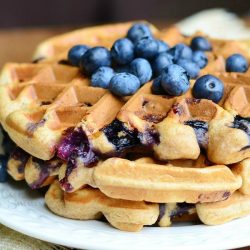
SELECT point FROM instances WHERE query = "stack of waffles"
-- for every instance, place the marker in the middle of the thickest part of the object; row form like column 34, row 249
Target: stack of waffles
column 140, row 160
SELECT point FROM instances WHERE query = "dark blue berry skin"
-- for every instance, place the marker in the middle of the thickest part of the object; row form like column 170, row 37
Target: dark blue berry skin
column 122, row 51
column 3, row 168
column 175, row 80
column 200, row 58
column 75, row 53
column 93, row 59
column 208, row 87
column 236, row 63
column 160, row 62
column 162, row 46
column 138, row 31
column 200, row 43
column 123, row 84
column 141, row 68
column 101, row 78
column 157, row 88
column 180, row 51
column 146, row 48
column 191, row 67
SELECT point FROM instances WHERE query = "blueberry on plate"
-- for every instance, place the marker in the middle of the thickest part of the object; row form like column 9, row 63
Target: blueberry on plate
column 200, row 58
column 122, row 51
column 236, row 63
column 175, row 80
column 123, row 84
column 162, row 46
column 147, row 48
column 180, row 51
column 208, row 87
column 3, row 168
column 93, row 59
column 138, row 31
column 156, row 87
column 75, row 53
column 160, row 62
column 141, row 68
column 101, row 78
column 191, row 67
column 200, row 43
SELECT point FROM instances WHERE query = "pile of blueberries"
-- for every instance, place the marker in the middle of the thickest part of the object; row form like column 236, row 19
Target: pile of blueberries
column 138, row 58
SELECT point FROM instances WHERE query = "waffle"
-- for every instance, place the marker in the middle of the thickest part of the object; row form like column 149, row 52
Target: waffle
column 139, row 160
column 89, row 203
column 238, row 205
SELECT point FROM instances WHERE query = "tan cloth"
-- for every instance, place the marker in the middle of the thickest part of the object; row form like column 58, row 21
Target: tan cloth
column 11, row 240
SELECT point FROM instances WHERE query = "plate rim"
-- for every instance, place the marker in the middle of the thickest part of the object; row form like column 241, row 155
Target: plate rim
column 92, row 244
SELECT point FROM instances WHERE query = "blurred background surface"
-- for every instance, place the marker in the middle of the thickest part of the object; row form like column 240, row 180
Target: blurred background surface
column 17, row 13
column 23, row 24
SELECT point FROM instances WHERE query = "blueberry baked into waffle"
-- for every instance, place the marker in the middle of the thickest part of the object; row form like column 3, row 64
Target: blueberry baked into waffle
column 132, row 124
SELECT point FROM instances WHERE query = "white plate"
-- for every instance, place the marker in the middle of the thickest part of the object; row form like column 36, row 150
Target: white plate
column 24, row 210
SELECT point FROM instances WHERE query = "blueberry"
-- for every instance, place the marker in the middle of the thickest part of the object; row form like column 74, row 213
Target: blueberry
column 175, row 80
column 191, row 67
column 101, row 78
column 141, row 68
column 138, row 31
column 3, row 168
column 162, row 46
column 180, row 51
column 160, row 62
column 75, row 53
column 123, row 84
column 122, row 51
column 147, row 48
column 93, row 59
column 200, row 58
column 156, row 87
column 208, row 87
column 200, row 43
column 236, row 63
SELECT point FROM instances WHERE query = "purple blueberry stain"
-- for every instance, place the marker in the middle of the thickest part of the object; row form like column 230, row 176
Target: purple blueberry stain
column 162, row 211
column 149, row 137
column 45, row 169
column 226, row 195
column 201, row 131
column 32, row 127
column 73, row 148
column 244, row 125
column 121, row 136
column 182, row 209
column 21, row 156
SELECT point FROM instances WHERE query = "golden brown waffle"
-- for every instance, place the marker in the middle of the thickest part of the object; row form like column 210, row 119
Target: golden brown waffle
column 35, row 118
column 89, row 204
column 238, row 205
column 47, row 105
column 243, row 169
column 129, row 180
